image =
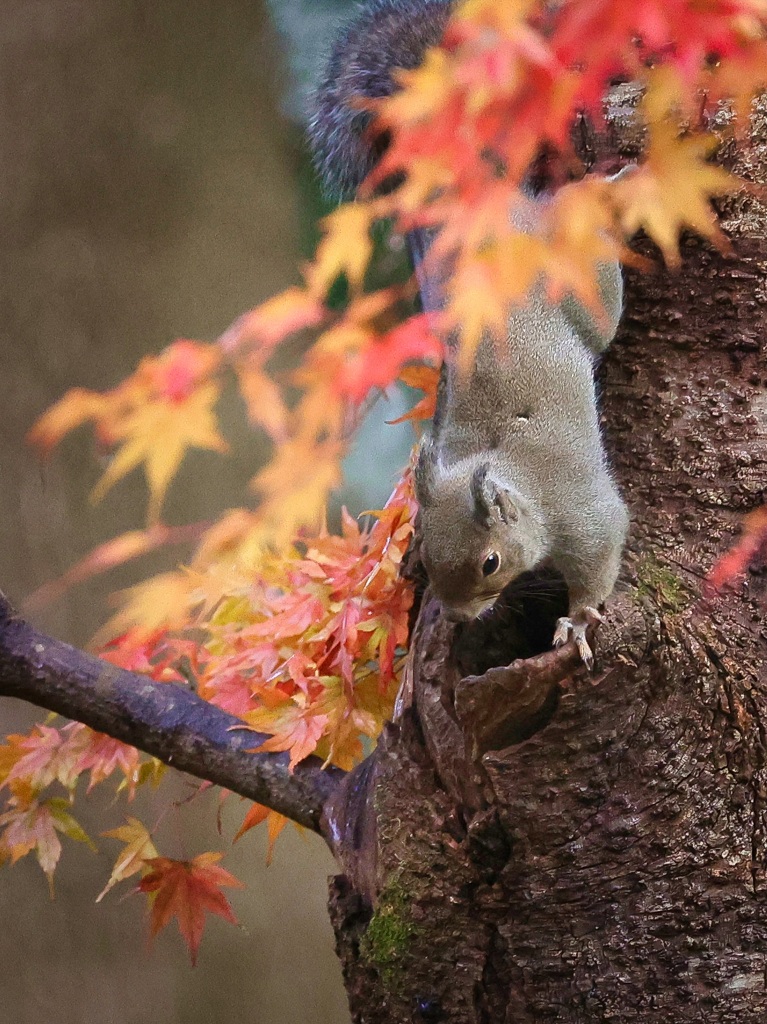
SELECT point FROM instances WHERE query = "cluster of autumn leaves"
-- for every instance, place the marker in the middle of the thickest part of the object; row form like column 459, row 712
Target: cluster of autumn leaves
column 299, row 631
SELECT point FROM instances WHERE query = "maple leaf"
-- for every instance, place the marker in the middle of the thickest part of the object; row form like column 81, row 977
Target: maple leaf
column 296, row 485
column 177, row 372
column 345, row 248
column 378, row 364
column 78, row 406
column 328, row 355
column 47, row 755
column 138, row 651
column 422, row 90
column 267, row 324
column 263, row 400
column 187, row 890
column 319, row 416
column 423, row 378
column 112, row 553
column 158, row 434
column 293, row 728
column 345, row 723
column 29, row 826
column 32, row 824
column 607, row 35
column 138, row 853
column 226, row 538
column 9, row 755
column 672, row 190
column 158, row 604
column 275, row 823
column 172, row 376
column 103, row 755
column 737, row 559
column 474, row 308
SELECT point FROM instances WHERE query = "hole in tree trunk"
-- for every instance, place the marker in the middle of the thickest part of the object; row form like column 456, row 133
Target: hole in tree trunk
column 520, row 625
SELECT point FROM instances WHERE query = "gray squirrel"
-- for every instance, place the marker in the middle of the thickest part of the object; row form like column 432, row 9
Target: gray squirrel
column 513, row 472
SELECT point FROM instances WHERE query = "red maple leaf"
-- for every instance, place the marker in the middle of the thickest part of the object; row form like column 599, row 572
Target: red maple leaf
column 186, row 890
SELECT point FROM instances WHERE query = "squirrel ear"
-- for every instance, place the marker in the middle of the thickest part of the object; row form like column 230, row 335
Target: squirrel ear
column 425, row 472
column 490, row 498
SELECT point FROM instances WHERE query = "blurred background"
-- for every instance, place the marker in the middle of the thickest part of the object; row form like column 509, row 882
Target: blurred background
column 154, row 185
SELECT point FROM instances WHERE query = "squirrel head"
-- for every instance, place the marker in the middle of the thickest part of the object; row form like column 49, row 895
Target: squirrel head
column 478, row 532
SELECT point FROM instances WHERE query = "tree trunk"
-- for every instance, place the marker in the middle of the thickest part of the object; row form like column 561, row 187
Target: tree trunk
column 537, row 844
column 531, row 843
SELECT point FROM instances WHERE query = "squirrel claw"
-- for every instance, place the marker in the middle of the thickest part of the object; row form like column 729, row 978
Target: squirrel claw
column 576, row 628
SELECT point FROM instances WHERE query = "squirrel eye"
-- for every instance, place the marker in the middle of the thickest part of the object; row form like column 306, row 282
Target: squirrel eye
column 491, row 564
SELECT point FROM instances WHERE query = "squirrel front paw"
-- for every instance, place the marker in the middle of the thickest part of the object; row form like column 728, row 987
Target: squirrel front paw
column 575, row 626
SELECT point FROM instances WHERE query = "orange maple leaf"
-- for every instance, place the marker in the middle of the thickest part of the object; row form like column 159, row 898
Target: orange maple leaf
column 275, row 823
column 293, row 728
column 187, row 890
column 263, row 399
column 266, row 325
column 423, row 378
column 76, row 407
column 736, row 560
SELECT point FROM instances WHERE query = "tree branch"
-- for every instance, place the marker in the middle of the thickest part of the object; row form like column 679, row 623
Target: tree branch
column 163, row 719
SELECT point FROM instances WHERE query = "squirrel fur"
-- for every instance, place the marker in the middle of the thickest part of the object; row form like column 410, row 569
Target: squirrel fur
column 385, row 35
column 513, row 473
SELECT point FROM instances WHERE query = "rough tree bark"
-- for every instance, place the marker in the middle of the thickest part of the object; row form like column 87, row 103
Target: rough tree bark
column 530, row 843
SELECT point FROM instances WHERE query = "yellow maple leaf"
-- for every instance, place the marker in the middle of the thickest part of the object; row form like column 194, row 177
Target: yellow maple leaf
column 161, row 602
column 424, row 89
column 296, row 485
column 580, row 236
column 139, row 849
column 345, row 248
column 672, row 189
column 158, row 434
column 227, row 539
column 474, row 307
column 321, row 412
column 506, row 17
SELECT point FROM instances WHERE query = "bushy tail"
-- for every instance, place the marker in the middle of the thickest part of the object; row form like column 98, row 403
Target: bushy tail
column 386, row 34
